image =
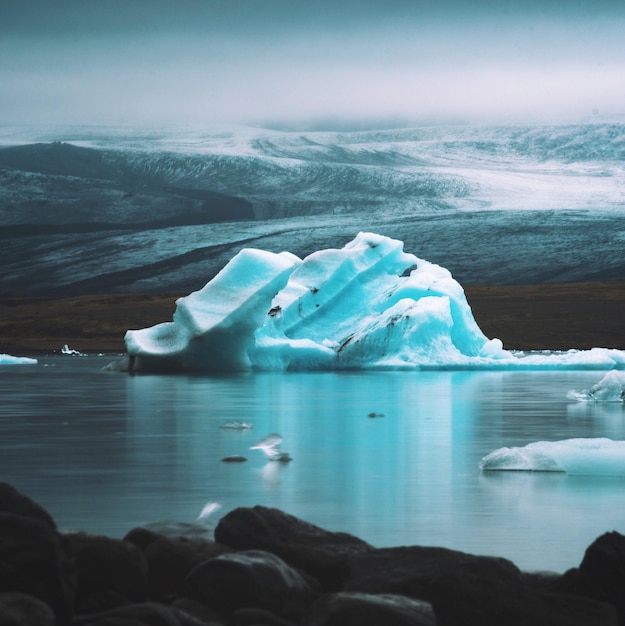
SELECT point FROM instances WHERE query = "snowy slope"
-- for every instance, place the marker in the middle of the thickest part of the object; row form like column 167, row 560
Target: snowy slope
column 143, row 209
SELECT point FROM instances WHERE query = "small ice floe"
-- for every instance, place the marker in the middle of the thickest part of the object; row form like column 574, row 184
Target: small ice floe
column 7, row 359
column 585, row 457
column 235, row 425
column 270, row 445
column 611, row 388
column 67, row 350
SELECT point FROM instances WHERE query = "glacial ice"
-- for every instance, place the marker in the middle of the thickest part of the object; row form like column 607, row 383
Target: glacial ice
column 584, row 456
column 611, row 388
column 7, row 359
column 367, row 305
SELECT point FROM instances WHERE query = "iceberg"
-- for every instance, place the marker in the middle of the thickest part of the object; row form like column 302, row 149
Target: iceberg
column 368, row 305
column 7, row 359
column 611, row 388
column 586, row 457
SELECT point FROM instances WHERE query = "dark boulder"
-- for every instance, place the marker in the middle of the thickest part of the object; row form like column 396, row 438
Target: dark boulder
column 462, row 597
column 361, row 609
column 12, row 501
column 140, row 614
column 36, row 560
column 21, row 609
column 259, row 617
column 142, row 537
column 602, row 571
column 111, row 573
column 253, row 578
column 171, row 560
column 601, row 574
column 411, row 571
column 174, row 529
column 319, row 552
column 193, row 613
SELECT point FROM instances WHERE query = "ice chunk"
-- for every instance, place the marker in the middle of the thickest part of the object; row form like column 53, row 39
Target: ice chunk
column 67, row 350
column 7, row 359
column 236, row 425
column 213, row 328
column 611, row 388
column 594, row 457
column 366, row 305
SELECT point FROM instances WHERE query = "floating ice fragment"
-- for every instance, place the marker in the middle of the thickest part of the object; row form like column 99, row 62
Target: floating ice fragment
column 67, row 350
column 235, row 425
column 594, row 456
column 611, row 388
column 7, row 359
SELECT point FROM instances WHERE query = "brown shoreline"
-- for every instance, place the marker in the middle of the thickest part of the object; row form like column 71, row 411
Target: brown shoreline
column 547, row 316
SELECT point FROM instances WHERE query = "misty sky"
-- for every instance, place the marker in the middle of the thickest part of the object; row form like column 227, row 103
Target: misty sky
column 195, row 62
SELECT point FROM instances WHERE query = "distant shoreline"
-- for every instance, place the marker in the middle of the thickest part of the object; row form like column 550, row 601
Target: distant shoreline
column 546, row 316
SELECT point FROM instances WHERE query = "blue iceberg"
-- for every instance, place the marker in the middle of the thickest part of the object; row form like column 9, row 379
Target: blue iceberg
column 368, row 305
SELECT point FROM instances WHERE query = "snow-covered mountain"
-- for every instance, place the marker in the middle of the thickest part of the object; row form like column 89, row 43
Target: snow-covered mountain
column 86, row 210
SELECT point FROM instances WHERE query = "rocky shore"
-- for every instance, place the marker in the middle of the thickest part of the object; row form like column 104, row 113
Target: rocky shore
column 267, row 568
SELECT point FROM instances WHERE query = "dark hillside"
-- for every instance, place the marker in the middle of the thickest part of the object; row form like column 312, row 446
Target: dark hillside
column 57, row 159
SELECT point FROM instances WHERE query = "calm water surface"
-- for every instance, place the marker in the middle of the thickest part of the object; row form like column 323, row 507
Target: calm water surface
column 105, row 452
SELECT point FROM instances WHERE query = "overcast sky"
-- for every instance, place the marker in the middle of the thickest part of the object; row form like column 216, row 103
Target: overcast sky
column 196, row 62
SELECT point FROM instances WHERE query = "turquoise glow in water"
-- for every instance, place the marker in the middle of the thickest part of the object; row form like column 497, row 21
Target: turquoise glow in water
column 105, row 452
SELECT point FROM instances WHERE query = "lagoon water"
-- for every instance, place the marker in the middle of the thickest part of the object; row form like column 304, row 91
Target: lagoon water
column 105, row 452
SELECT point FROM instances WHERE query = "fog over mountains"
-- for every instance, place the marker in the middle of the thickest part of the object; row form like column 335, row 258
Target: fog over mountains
column 97, row 210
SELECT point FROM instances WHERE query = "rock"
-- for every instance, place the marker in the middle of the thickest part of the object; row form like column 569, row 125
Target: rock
column 142, row 537
column 256, row 617
column 191, row 530
column 602, row 571
column 249, row 579
column 140, row 614
column 542, row 580
column 50, row 579
column 319, row 552
column 36, row 560
column 193, row 613
column 410, row 571
column 111, row 573
column 12, row 501
column 21, row 609
column 461, row 597
column 171, row 560
column 361, row 609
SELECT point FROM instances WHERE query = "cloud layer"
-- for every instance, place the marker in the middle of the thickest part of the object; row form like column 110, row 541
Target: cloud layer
column 201, row 61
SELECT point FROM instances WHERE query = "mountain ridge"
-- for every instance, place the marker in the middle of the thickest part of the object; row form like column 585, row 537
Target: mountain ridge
column 507, row 205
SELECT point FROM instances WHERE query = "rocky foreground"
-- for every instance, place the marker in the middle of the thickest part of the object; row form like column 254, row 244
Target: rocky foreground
column 268, row 568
